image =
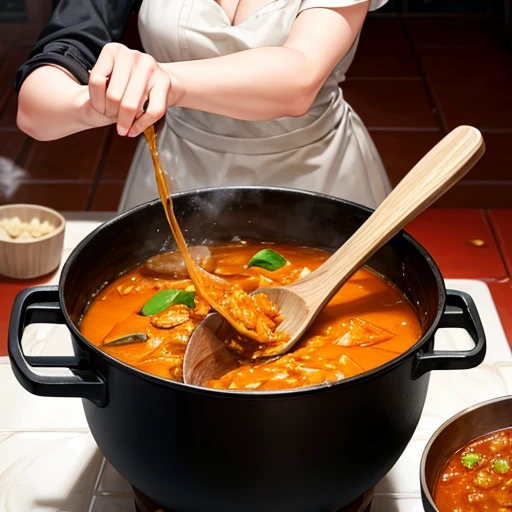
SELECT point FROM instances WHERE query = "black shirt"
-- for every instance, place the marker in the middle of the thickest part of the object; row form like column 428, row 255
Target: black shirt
column 75, row 35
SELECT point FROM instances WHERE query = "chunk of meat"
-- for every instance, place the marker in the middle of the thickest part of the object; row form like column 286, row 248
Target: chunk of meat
column 175, row 315
column 486, row 479
column 172, row 264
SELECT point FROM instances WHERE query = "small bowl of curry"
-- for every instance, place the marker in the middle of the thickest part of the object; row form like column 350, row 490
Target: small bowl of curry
column 467, row 464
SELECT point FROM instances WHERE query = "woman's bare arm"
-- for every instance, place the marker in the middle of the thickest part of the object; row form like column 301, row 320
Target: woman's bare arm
column 266, row 83
column 52, row 104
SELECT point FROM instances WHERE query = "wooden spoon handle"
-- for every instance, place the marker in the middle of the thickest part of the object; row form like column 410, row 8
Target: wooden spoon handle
column 429, row 179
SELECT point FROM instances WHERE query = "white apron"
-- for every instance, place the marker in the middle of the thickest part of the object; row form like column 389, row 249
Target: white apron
column 327, row 150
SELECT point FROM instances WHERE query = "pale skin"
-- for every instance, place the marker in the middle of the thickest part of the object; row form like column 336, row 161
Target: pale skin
column 253, row 85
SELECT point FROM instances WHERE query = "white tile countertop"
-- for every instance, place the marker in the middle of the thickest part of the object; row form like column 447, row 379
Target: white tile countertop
column 49, row 461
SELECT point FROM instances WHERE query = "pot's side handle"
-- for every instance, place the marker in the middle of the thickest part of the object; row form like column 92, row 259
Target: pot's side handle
column 40, row 304
column 464, row 316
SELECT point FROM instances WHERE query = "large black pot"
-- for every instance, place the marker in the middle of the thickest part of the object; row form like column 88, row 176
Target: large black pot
column 196, row 450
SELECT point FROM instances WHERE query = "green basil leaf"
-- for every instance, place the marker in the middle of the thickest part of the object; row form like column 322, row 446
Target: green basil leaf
column 267, row 259
column 167, row 298
column 470, row 460
column 159, row 302
column 501, row 465
column 186, row 298
column 129, row 339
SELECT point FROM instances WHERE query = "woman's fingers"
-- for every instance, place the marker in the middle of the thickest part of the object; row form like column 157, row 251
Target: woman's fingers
column 156, row 108
column 119, row 80
column 100, row 76
column 135, row 95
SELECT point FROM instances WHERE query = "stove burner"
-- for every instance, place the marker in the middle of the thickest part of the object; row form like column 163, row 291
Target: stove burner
column 145, row 504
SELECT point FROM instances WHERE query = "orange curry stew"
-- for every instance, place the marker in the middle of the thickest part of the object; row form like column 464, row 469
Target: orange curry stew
column 253, row 316
column 146, row 316
column 478, row 478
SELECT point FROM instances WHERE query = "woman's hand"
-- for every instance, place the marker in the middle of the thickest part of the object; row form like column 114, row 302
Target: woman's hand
column 121, row 82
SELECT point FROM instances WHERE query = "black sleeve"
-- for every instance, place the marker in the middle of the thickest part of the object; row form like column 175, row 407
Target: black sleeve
column 75, row 35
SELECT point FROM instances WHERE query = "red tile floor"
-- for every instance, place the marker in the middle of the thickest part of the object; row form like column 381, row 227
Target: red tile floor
column 413, row 79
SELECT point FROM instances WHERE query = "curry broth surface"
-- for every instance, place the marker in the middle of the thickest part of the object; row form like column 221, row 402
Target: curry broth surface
column 365, row 325
column 479, row 484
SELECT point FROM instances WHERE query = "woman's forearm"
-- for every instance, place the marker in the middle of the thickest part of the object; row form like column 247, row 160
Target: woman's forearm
column 270, row 82
column 253, row 85
column 51, row 105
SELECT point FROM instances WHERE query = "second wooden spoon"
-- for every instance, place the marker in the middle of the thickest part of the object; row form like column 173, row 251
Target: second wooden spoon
column 301, row 302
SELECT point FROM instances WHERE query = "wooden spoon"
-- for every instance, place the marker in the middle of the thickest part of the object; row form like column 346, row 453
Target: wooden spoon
column 207, row 357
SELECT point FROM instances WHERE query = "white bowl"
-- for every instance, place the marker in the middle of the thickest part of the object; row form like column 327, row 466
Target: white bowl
column 31, row 258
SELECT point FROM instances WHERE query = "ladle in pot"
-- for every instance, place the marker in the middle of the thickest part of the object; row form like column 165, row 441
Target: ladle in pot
column 207, row 356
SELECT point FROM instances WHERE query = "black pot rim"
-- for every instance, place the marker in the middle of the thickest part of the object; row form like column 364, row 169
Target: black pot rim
column 452, row 419
column 241, row 394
